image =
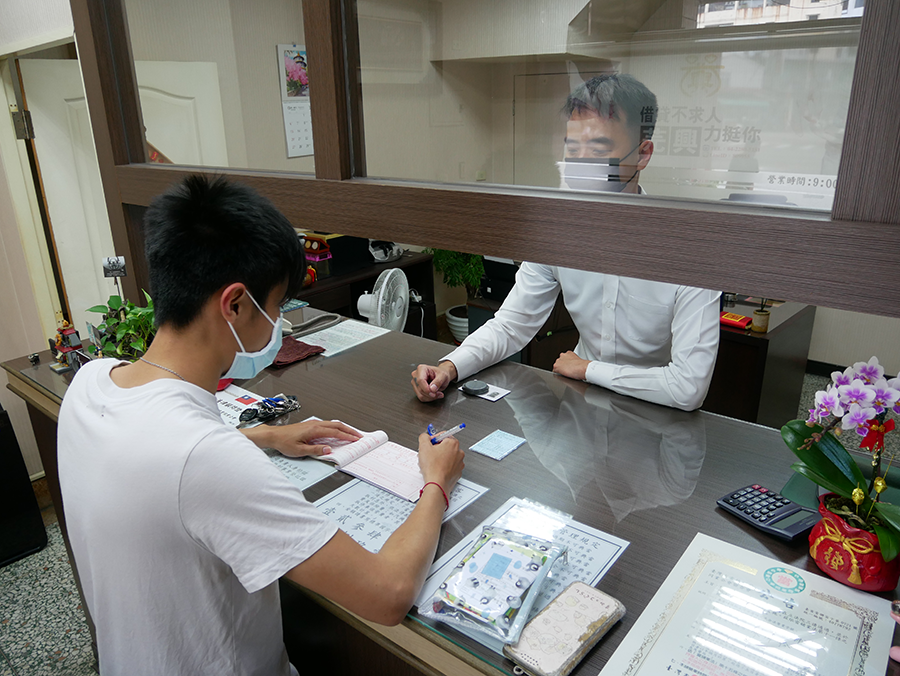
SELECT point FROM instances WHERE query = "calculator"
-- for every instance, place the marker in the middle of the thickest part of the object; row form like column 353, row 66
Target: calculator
column 769, row 511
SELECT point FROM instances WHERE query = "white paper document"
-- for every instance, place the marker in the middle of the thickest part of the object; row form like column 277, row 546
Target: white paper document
column 724, row 610
column 302, row 472
column 232, row 401
column 350, row 333
column 497, row 445
column 369, row 515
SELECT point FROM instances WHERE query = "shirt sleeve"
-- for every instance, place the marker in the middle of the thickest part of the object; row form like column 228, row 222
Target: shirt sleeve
column 524, row 311
column 236, row 504
column 684, row 381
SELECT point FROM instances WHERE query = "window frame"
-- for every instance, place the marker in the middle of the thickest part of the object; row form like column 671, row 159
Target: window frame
column 809, row 257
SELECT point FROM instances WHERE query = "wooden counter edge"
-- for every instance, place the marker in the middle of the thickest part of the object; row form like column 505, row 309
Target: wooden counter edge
column 424, row 649
column 27, row 391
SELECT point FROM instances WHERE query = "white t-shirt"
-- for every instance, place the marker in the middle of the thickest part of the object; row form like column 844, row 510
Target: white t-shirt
column 180, row 527
column 650, row 340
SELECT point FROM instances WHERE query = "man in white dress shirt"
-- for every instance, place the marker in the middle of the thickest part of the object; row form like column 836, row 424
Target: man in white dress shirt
column 649, row 340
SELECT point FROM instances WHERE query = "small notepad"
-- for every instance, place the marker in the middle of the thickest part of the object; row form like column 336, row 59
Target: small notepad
column 497, row 445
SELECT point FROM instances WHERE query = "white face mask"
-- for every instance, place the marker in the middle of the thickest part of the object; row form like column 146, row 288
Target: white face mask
column 595, row 175
column 248, row 364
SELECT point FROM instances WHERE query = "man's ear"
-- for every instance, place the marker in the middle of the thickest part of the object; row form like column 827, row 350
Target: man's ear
column 645, row 152
column 232, row 300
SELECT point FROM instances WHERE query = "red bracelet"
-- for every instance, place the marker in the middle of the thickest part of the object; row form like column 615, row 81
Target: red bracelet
column 443, row 492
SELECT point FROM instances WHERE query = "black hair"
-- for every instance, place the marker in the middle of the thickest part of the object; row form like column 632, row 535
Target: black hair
column 613, row 94
column 202, row 234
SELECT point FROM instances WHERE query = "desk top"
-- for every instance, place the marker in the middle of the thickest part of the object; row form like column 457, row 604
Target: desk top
column 645, row 473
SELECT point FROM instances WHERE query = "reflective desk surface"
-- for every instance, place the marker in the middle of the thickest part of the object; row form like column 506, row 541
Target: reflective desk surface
column 646, row 473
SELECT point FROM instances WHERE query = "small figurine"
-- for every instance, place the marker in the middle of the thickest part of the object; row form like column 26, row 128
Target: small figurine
column 66, row 347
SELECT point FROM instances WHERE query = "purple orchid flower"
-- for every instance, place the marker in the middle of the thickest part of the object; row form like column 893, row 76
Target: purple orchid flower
column 844, row 378
column 869, row 372
column 857, row 418
column 829, row 401
column 857, row 392
column 885, row 396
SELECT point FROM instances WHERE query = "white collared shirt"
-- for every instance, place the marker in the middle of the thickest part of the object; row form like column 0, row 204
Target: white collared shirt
column 649, row 340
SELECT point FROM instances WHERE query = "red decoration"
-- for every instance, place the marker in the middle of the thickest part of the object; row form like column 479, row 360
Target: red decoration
column 850, row 555
column 875, row 438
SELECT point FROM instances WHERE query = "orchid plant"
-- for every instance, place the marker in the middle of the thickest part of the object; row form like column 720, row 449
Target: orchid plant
column 858, row 400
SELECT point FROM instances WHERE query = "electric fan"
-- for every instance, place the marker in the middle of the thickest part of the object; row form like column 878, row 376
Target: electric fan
column 388, row 304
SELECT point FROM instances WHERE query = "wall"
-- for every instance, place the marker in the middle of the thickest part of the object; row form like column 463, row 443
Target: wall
column 25, row 25
column 20, row 326
column 240, row 38
column 843, row 338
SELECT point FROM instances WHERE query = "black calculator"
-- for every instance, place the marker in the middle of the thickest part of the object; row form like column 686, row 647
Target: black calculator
column 769, row 511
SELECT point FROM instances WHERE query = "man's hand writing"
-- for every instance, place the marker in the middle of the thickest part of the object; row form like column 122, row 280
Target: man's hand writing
column 571, row 365
column 429, row 382
column 294, row 440
column 442, row 463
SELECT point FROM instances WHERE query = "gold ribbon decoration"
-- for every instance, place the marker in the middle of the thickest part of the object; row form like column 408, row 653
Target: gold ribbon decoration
column 853, row 546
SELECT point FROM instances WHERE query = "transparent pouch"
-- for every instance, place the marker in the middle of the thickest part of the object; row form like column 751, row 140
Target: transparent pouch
column 493, row 587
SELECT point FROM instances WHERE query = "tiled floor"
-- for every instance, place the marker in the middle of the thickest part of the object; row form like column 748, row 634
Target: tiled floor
column 42, row 626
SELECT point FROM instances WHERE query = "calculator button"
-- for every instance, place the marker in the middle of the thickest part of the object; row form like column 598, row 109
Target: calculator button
column 763, row 518
column 778, row 496
column 763, row 490
column 730, row 501
column 742, row 499
column 756, row 515
column 765, row 510
column 756, row 486
column 736, row 495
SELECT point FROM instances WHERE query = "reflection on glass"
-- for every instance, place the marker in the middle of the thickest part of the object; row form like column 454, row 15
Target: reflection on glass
column 223, row 83
column 640, row 455
column 464, row 91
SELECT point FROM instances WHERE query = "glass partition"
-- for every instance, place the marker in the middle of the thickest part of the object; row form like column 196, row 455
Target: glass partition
column 737, row 101
column 223, row 83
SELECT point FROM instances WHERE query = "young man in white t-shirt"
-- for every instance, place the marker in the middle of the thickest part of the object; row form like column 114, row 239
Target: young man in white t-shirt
column 180, row 525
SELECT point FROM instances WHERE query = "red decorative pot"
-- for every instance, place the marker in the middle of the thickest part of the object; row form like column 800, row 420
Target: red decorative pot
column 850, row 555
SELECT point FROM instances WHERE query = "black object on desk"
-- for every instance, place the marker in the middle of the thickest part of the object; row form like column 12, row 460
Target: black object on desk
column 21, row 526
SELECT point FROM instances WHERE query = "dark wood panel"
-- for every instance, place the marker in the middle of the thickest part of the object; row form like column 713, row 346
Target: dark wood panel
column 322, row 28
column 812, row 260
column 110, row 86
column 869, row 178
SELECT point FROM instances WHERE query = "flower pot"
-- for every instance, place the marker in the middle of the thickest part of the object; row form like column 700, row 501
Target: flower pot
column 850, row 555
column 458, row 322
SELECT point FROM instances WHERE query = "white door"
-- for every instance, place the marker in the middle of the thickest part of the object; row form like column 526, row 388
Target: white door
column 182, row 112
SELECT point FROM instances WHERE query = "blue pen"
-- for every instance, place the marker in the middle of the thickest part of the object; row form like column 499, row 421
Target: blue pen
column 430, row 430
column 444, row 435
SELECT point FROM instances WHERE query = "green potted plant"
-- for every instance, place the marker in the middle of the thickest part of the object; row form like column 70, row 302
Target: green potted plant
column 858, row 538
column 126, row 330
column 459, row 269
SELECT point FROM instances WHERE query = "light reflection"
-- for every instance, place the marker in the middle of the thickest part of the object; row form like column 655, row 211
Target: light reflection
column 745, row 599
column 769, row 654
column 730, row 654
column 755, row 625
column 742, row 639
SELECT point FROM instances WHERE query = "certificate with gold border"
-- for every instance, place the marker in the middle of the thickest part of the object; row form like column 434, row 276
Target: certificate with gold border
column 726, row 611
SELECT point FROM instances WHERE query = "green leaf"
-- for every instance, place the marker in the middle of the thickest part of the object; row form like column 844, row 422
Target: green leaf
column 148, row 298
column 138, row 344
column 824, row 482
column 121, row 331
column 98, row 308
column 829, row 465
column 115, row 302
column 890, row 514
column 888, row 541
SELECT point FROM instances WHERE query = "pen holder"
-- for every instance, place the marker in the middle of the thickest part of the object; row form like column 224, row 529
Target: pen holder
column 760, row 321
